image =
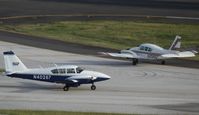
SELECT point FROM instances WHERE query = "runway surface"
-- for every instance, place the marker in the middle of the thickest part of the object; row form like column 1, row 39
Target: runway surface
column 187, row 8
column 33, row 11
column 146, row 88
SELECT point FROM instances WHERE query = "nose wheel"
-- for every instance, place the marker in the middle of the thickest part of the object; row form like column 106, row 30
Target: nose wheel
column 66, row 88
column 93, row 87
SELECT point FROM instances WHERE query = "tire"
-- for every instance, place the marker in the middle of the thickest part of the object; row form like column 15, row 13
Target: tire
column 163, row 62
column 93, row 87
column 65, row 88
column 134, row 61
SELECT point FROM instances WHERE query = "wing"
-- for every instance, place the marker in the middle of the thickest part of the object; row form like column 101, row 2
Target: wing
column 120, row 55
column 69, row 81
column 178, row 55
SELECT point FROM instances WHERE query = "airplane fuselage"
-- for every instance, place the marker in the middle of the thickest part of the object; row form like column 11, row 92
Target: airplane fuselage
column 64, row 79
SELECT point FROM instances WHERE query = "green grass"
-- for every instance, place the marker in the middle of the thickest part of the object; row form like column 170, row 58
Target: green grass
column 195, row 58
column 31, row 112
column 111, row 34
column 2, row 70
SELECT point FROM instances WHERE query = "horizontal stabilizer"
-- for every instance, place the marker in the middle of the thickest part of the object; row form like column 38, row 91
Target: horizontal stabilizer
column 178, row 55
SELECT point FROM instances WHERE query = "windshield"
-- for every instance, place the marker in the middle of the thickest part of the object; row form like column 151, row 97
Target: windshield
column 79, row 69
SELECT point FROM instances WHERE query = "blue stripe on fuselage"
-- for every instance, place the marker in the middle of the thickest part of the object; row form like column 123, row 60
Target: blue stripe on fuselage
column 54, row 78
column 41, row 77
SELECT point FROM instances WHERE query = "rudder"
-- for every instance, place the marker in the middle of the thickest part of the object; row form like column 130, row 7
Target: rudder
column 13, row 63
column 176, row 43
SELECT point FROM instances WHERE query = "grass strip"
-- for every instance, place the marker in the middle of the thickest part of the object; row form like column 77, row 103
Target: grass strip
column 112, row 34
column 34, row 112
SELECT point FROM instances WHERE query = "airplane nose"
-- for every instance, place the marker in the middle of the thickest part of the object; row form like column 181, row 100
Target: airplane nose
column 104, row 76
column 108, row 77
column 97, row 75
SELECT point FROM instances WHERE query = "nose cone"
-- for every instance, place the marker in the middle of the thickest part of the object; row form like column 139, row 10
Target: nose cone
column 102, row 77
column 98, row 76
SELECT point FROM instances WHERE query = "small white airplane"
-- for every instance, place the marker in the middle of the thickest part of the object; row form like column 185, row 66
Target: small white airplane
column 70, row 75
column 152, row 52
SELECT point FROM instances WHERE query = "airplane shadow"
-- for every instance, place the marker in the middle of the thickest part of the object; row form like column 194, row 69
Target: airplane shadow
column 27, row 86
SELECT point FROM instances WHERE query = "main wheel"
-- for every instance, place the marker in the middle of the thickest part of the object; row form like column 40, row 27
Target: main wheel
column 163, row 62
column 134, row 61
column 93, row 87
column 66, row 88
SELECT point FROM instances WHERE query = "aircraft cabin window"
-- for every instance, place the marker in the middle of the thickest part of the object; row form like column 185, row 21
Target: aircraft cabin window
column 79, row 69
column 142, row 48
column 60, row 71
column 149, row 49
column 71, row 70
column 146, row 48
column 54, row 71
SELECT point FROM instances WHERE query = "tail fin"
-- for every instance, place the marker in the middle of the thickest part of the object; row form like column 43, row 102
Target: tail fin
column 176, row 43
column 13, row 63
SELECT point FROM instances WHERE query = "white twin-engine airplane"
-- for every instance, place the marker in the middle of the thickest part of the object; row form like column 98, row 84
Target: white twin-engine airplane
column 70, row 75
column 152, row 52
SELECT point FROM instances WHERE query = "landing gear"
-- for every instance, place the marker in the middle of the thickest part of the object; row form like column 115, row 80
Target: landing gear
column 66, row 88
column 163, row 62
column 134, row 61
column 93, row 87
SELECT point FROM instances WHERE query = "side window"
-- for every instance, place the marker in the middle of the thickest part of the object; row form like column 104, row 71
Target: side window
column 58, row 71
column 146, row 48
column 54, row 71
column 141, row 47
column 71, row 70
column 62, row 71
column 149, row 49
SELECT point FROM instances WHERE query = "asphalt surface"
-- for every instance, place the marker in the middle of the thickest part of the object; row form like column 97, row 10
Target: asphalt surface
column 146, row 88
column 187, row 8
column 18, row 11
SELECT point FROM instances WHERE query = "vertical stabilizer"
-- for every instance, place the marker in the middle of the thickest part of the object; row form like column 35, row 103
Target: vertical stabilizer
column 176, row 43
column 13, row 63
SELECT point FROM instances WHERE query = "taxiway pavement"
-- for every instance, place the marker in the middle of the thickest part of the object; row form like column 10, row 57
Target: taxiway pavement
column 146, row 88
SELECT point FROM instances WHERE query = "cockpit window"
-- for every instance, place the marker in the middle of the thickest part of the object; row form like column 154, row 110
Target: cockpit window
column 146, row 48
column 79, row 69
column 70, row 70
